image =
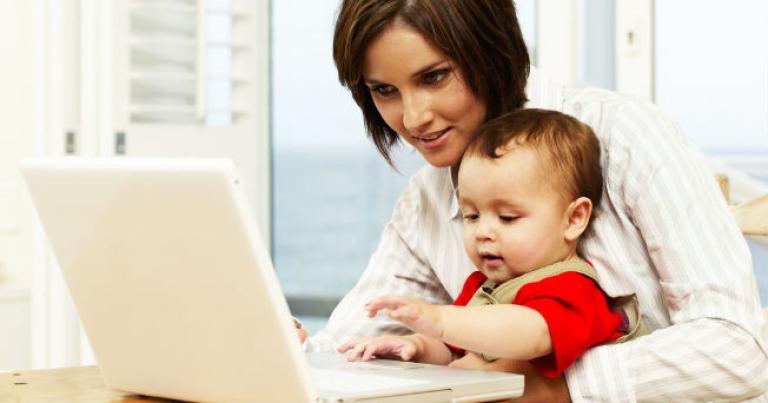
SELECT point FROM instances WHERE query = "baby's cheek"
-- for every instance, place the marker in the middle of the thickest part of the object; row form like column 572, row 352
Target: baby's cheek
column 518, row 253
column 475, row 258
column 470, row 247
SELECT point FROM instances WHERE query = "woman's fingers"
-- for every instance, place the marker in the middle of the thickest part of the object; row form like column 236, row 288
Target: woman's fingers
column 302, row 333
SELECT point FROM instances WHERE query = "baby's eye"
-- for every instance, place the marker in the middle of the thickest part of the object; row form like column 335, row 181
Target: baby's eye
column 469, row 217
column 435, row 76
column 508, row 218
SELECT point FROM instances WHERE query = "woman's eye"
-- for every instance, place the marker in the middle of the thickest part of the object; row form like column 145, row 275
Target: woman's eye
column 382, row 90
column 435, row 76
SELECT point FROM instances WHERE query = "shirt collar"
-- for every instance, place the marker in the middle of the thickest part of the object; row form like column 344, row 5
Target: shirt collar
column 453, row 210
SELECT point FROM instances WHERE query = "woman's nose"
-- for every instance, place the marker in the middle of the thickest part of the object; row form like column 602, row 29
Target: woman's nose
column 417, row 113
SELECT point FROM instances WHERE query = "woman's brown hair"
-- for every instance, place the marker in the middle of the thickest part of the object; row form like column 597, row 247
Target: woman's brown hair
column 482, row 37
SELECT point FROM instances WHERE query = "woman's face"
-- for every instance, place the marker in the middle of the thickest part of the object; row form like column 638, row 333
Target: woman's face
column 421, row 94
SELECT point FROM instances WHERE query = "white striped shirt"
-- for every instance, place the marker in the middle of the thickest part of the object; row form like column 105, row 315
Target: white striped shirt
column 662, row 232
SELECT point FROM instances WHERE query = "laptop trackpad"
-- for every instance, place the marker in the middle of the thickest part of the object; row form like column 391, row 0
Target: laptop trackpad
column 379, row 365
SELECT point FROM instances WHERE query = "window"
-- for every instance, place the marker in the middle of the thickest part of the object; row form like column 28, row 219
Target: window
column 596, row 44
column 183, row 61
column 714, row 82
column 332, row 191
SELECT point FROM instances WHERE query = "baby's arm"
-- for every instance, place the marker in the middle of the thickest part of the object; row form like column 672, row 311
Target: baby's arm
column 503, row 330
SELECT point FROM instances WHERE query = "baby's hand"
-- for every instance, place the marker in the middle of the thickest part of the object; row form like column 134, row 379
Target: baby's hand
column 419, row 316
column 368, row 348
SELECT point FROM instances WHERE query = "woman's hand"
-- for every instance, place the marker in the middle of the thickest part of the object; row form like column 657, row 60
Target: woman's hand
column 301, row 331
column 404, row 348
column 538, row 388
column 419, row 316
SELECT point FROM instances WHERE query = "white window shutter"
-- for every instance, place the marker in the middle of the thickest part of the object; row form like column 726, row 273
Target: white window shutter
column 190, row 79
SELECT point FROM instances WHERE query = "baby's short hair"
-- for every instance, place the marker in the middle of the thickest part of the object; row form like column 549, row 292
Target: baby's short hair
column 570, row 147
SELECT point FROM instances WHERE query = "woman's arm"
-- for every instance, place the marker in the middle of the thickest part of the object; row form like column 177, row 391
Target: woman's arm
column 538, row 388
column 713, row 350
column 394, row 268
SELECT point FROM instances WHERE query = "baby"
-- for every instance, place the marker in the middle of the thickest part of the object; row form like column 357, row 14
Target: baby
column 527, row 186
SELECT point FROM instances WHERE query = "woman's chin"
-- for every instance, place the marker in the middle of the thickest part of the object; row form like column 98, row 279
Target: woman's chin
column 441, row 160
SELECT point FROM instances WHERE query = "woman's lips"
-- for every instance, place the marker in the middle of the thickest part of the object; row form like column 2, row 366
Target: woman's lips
column 434, row 140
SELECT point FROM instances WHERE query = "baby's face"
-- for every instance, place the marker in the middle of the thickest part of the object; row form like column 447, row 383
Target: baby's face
column 514, row 221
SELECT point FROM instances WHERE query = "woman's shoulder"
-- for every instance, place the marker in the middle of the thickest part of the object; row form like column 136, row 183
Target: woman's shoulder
column 622, row 117
column 432, row 178
column 427, row 201
column 429, row 187
column 628, row 126
column 637, row 138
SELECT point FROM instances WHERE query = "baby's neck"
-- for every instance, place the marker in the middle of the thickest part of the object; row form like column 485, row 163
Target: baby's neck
column 569, row 254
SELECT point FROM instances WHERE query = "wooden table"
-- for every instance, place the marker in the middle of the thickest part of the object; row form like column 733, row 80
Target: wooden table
column 65, row 385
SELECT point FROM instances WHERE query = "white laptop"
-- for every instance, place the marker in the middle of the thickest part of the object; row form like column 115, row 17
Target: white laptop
column 179, row 298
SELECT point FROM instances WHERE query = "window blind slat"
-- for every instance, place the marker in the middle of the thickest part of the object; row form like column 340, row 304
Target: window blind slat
column 164, row 63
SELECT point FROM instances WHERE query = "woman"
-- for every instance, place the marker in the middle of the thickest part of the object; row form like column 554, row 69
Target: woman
column 428, row 72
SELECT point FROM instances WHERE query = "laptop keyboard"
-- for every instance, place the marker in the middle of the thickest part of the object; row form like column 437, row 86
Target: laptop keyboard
column 344, row 381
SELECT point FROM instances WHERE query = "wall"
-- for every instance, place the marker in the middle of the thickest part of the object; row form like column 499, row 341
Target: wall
column 17, row 133
column 18, row 130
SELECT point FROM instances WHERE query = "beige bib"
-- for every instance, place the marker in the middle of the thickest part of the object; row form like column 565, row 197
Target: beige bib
column 489, row 293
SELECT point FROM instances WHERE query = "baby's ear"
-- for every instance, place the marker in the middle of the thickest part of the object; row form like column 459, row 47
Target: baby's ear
column 577, row 214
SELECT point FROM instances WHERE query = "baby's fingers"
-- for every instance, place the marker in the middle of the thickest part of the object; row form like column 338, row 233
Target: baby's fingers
column 371, row 350
column 387, row 302
column 355, row 352
column 347, row 346
column 391, row 348
column 352, row 343
column 405, row 313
